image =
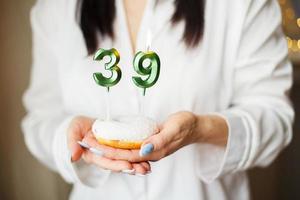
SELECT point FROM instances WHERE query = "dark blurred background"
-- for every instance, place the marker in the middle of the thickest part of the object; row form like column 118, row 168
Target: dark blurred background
column 22, row 177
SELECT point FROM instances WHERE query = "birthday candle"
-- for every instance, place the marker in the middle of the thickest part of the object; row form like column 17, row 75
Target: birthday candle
column 111, row 65
column 152, row 70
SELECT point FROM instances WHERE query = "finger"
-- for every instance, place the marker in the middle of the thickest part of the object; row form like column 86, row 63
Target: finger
column 139, row 168
column 84, row 123
column 79, row 126
column 75, row 149
column 154, row 143
column 132, row 156
column 105, row 163
column 91, row 140
column 146, row 165
column 123, row 154
column 114, row 153
column 76, row 152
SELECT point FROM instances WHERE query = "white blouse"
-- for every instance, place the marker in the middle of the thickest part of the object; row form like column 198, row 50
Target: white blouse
column 239, row 71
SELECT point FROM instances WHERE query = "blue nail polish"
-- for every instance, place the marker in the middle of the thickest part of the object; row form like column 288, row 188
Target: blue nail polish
column 146, row 149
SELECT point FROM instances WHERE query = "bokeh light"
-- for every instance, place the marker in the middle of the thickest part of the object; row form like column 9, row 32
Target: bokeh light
column 291, row 25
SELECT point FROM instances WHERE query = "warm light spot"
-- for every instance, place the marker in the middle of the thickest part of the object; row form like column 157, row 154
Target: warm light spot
column 282, row 2
column 290, row 13
column 295, row 46
column 290, row 42
column 289, row 21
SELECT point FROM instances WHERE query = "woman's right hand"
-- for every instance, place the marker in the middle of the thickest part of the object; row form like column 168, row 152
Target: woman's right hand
column 80, row 130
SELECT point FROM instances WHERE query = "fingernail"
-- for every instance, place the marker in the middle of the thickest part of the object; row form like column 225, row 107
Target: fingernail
column 141, row 175
column 128, row 171
column 96, row 151
column 72, row 160
column 83, row 144
column 146, row 149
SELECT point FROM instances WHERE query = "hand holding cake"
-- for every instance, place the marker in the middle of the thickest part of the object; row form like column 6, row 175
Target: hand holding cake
column 124, row 132
column 80, row 130
column 180, row 129
column 130, row 142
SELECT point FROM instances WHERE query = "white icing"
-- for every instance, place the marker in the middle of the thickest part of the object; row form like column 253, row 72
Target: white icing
column 128, row 128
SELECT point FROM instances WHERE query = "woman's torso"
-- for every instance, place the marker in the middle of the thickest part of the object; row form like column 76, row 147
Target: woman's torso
column 197, row 80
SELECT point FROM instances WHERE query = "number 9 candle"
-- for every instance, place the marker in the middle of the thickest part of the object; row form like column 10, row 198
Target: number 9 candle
column 152, row 70
column 111, row 65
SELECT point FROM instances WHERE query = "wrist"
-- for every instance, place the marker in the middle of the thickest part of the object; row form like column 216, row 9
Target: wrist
column 211, row 129
column 200, row 129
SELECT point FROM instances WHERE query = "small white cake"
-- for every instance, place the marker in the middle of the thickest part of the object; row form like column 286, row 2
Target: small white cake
column 126, row 132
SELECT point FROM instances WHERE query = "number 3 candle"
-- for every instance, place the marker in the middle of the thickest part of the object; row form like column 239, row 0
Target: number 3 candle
column 111, row 65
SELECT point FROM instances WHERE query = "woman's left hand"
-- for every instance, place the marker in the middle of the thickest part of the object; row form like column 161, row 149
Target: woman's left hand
column 179, row 130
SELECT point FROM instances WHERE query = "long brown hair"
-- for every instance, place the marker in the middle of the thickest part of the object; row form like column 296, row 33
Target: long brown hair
column 97, row 16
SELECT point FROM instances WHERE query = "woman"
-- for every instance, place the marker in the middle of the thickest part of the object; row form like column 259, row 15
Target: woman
column 221, row 98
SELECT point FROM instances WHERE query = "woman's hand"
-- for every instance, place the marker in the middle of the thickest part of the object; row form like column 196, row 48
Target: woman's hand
column 77, row 130
column 179, row 130
column 80, row 130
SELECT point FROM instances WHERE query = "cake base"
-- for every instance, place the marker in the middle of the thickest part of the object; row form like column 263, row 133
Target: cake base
column 120, row 144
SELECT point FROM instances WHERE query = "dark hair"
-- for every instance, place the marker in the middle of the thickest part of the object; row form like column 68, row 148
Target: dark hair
column 97, row 16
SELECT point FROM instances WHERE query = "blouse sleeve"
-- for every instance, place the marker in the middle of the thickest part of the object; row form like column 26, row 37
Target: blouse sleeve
column 46, row 122
column 260, row 116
